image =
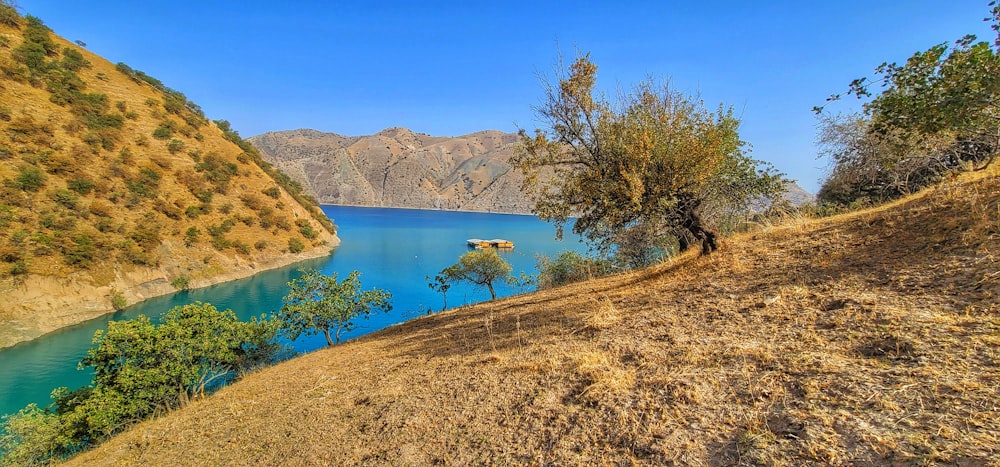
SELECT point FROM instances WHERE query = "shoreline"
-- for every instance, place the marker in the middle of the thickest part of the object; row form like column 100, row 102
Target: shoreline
column 321, row 204
column 60, row 316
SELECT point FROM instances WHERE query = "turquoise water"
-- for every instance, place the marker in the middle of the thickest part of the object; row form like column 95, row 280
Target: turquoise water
column 394, row 249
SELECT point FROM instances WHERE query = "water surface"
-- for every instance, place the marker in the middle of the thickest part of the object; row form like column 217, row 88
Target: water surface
column 394, row 249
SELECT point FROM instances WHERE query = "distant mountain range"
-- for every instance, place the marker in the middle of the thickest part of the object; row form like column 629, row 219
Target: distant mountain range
column 397, row 167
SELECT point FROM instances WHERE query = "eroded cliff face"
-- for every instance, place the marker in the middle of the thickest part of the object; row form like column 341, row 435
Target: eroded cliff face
column 399, row 168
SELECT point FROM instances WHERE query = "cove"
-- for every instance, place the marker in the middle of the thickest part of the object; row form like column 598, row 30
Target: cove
column 394, row 249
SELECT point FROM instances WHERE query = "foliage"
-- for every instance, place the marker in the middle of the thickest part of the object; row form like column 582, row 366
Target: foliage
column 30, row 178
column 637, row 170
column 8, row 14
column 117, row 299
column 568, row 267
column 294, row 245
column 191, row 236
column 141, row 369
column 319, row 303
column 481, row 267
column 181, row 282
column 34, row 436
column 936, row 113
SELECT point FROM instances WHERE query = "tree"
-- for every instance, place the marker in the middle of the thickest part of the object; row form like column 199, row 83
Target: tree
column 939, row 109
column 637, row 170
column 319, row 303
column 481, row 267
column 441, row 285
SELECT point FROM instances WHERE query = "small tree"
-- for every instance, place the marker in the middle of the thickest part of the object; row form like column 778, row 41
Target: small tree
column 439, row 284
column 481, row 267
column 319, row 303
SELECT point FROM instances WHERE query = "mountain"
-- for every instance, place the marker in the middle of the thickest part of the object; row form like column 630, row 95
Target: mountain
column 399, row 168
column 867, row 338
column 115, row 188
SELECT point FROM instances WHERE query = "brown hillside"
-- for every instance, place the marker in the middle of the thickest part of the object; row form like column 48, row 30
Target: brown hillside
column 104, row 172
column 870, row 338
column 399, row 168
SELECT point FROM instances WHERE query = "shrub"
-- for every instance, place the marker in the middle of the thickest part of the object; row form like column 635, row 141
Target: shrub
column 181, row 282
column 191, row 236
column 73, row 60
column 118, row 301
column 569, row 267
column 175, row 146
column 66, row 198
column 30, row 179
column 163, row 131
column 295, row 245
column 261, row 245
column 241, row 247
column 273, row 192
column 306, row 229
column 81, row 185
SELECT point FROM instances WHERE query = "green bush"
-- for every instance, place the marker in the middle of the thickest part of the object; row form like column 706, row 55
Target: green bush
column 175, row 146
column 568, row 267
column 191, row 236
column 163, row 131
column 80, row 185
column 67, row 198
column 73, row 60
column 295, row 245
column 30, row 179
column 181, row 282
column 273, row 192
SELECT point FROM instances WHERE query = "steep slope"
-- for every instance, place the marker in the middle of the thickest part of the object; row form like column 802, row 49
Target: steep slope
column 399, row 168
column 115, row 188
column 869, row 338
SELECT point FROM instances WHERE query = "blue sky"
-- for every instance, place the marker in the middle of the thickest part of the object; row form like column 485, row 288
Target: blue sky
column 452, row 68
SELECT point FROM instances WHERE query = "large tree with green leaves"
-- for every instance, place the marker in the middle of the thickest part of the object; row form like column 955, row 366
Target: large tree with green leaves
column 639, row 169
column 319, row 303
column 936, row 113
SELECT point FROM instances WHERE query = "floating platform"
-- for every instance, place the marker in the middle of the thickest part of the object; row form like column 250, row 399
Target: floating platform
column 495, row 243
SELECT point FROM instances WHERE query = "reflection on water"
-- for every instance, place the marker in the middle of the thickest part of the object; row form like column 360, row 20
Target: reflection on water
column 394, row 249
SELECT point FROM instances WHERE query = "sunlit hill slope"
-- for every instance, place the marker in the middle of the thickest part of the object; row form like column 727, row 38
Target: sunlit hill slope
column 115, row 188
column 871, row 337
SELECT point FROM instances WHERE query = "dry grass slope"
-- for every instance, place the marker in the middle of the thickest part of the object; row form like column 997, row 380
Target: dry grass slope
column 871, row 338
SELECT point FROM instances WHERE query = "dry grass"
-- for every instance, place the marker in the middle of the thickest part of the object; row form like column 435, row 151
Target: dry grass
column 871, row 338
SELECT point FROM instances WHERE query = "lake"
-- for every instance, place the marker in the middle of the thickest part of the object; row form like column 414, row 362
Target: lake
column 394, row 249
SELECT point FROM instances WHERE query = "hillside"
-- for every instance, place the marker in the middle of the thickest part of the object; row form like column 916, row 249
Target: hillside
column 399, row 168
column 868, row 338
column 115, row 188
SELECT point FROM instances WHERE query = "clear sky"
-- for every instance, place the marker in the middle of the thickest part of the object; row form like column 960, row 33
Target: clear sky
column 452, row 68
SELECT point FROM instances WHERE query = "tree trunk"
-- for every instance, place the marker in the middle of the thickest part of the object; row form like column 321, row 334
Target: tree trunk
column 329, row 339
column 692, row 223
column 492, row 292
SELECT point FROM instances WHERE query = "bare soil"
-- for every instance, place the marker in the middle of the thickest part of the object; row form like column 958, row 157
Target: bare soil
column 870, row 338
